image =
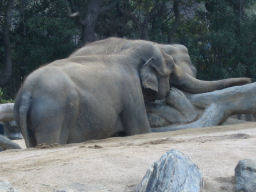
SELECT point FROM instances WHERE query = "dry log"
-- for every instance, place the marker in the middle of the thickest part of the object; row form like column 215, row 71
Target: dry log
column 6, row 112
column 6, row 143
column 219, row 105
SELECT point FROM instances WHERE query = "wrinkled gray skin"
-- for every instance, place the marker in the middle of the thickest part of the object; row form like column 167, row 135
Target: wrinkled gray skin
column 99, row 90
column 93, row 96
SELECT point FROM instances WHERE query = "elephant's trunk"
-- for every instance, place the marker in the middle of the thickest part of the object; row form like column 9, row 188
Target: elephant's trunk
column 190, row 84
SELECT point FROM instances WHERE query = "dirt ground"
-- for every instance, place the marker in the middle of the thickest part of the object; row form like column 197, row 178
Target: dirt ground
column 118, row 164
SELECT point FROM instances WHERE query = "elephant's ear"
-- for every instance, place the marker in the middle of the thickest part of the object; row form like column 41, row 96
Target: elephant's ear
column 148, row 76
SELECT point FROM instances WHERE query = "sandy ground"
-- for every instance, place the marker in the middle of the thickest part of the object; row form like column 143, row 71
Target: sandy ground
column 118, row 164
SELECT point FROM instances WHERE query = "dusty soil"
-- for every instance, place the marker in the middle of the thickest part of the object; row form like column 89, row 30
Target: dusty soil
column 118, row 164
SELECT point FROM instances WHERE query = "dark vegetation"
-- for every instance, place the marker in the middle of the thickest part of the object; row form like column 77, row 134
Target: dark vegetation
column 220, row 35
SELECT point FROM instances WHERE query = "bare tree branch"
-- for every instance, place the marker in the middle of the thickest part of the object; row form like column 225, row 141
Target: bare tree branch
column 6, row 112
column 110, row 6
column 176, row 5
column 71, row 10
column 129, row 15
column 6, row 74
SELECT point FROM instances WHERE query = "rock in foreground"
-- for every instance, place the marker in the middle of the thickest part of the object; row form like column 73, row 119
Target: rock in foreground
column 174, row 172
column 6, row 187
column 245, row 173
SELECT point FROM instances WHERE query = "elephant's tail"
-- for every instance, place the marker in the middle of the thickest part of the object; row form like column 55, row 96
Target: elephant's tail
column 23, row 112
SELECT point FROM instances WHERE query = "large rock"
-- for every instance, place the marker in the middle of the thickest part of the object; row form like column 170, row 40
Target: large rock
column 245, row 173
column 6, row 187
column 174, row 172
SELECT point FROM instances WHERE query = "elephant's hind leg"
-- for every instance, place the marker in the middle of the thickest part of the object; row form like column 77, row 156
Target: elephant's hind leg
column 47, row 121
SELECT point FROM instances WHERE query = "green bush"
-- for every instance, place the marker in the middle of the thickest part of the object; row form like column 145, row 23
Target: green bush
column 3, row 97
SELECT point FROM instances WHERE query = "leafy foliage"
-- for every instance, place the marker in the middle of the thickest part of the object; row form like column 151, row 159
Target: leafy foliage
column 3, row 98
column 220, row 35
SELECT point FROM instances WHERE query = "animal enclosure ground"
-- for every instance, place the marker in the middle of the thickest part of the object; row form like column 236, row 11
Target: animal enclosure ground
column 118, row 164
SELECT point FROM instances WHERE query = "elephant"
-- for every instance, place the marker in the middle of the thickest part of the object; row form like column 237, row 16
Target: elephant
column 101, row 89
column 93, row 96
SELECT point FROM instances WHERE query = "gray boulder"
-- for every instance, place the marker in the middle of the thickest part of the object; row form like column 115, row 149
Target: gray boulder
column 174, row 172
column 245, row 174
column 6, row 187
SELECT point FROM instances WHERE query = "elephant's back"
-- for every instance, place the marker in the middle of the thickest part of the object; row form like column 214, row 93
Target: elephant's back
column 46, row 77
column 107, row 46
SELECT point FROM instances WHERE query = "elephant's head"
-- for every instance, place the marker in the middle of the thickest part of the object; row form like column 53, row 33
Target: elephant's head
column 155, row 74
column 183, row 73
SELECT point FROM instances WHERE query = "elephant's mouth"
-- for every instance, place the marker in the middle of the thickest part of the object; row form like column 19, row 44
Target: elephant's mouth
column 149, row 95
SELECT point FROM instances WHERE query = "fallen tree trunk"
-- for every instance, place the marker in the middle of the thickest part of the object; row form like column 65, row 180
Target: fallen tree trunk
column 6, row 143
column 242, row 98
column 219, row 105
column 6, row 112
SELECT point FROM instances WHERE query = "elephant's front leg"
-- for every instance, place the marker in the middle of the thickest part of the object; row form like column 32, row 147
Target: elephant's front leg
column 134, row 118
